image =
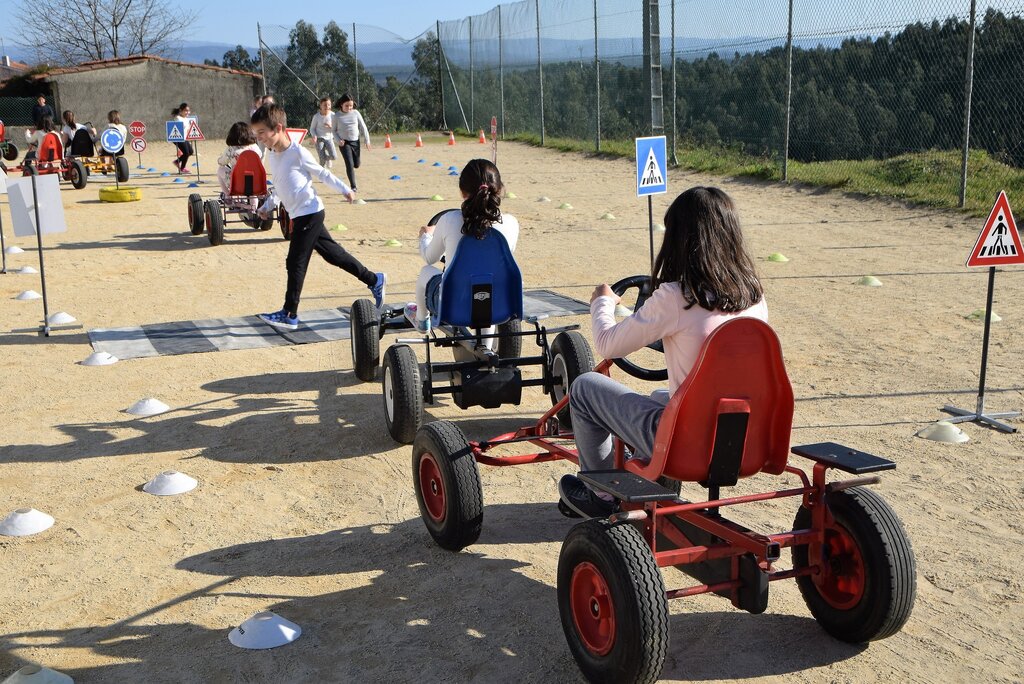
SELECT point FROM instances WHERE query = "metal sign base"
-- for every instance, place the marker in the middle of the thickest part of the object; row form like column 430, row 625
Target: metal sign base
column 967, row 415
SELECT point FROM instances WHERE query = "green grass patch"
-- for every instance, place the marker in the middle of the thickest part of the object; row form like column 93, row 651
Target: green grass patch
column 930, row 178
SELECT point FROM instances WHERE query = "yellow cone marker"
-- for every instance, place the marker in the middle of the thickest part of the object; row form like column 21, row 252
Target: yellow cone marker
column 870, row 281
column 340, row 226
column 608, row 216
column 565, row 205
column 778, row 257
column 393, row 243
column 660, row 227
column 512, row 195
column 436, row 198
column 979, row 315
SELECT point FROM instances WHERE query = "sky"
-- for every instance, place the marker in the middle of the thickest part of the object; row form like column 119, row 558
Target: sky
column 222, row 22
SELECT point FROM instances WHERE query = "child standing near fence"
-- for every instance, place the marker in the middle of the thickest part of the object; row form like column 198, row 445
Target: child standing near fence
column 347, row 127
column 294, row 169
column 240, row 138
column 322, row 130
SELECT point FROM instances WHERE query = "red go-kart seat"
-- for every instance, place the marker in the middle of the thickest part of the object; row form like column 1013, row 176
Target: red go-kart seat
column 732, row 415
column 248, row 177
column 3, row 132
column 51, row 149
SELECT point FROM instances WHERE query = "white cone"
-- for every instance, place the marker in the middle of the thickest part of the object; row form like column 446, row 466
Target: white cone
column 60, row 318
column 36, row 674
column 148, row 407
column 169, row 483
column 26, row 270
column 943, row 431
column 14, row 249
column 264, row 630
column 29, row 294
column 100, row 359
column 25, row 521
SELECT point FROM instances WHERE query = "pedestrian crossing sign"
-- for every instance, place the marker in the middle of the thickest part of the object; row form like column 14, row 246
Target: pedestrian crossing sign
column 999, row 242
column 193, row 132
column 651, row 167
column 175, row 131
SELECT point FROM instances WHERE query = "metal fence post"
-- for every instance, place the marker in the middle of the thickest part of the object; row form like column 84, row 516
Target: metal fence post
column 355, row 62
column 597, row 85
column 501, row 76
column 263, row 68
column 472, row 98
column 968, row 89
column 674, row 159
column 789, row 95
column 540, row 73
column 440, row 77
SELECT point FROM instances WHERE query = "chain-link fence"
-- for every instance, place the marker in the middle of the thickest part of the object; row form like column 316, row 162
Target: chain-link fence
column 16, row 111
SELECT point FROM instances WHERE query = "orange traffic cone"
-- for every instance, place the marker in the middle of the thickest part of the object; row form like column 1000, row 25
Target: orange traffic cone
column 451, row 138
column 419, row 140
column 387, row 141
column 483, row 138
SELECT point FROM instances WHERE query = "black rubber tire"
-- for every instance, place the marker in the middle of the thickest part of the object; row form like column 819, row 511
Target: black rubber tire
column 77, row 174
column 285, row 223
column 618, row 554
column 214, row 222
column 264, row 224
column 454, row 490
column 11, row 152
column 510, row 347
column 365, row 328
column 196, row 219
column 402, row 392
column 122, row 172
column 571, row 353
column 890, row 580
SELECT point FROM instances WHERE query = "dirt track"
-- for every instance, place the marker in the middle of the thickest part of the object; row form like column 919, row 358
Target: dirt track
column 306, row 507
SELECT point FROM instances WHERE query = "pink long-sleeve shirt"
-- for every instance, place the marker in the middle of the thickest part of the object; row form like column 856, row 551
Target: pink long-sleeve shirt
column 663, row 317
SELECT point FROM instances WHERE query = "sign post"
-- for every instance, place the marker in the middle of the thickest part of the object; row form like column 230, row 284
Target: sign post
column 138, row 132
column 651, row 177
column 998, row 245
column 494, row 140
column 3, row 247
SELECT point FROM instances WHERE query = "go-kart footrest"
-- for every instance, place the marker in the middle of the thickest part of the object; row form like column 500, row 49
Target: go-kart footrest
column 627, row 486
column 843, row 458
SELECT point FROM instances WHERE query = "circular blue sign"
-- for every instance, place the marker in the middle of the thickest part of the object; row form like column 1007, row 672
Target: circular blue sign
column 112, row 140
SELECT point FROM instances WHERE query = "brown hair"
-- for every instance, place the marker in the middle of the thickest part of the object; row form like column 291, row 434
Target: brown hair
column 240, row 135
column 270, row 116
column 114, row 116
column 703, row 251
column 481, row 183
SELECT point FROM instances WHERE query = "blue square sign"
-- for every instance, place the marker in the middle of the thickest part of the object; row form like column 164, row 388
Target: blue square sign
column 651, row 167
column 175, row 131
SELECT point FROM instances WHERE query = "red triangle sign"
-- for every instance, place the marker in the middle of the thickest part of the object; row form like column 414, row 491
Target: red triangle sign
column 999, row 243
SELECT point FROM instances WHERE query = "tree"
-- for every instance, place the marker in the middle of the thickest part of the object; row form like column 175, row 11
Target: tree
column 240, row 59
column 66, row 33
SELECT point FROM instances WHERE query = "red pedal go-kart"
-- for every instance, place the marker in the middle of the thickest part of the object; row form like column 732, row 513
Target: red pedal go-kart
column 730, row 419
column 50, row 159
column 8, row 150
column 246, row 192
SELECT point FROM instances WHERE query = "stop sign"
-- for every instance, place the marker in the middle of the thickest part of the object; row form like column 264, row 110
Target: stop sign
column 137, row 129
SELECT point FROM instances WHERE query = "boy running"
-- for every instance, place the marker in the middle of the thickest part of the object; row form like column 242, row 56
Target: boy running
column 293, row 169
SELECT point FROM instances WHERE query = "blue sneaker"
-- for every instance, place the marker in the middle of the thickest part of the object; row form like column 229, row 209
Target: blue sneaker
column 378, row 290
column 280, row 319
column 410, row 315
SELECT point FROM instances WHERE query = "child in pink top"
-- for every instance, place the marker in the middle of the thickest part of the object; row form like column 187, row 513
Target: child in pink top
column 703, row 276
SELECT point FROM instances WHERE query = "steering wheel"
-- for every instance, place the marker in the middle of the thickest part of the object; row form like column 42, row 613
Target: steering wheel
column 437, row 217
column 642, row 283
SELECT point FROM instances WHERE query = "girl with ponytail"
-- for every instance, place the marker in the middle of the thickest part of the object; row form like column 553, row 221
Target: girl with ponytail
column 481, row 187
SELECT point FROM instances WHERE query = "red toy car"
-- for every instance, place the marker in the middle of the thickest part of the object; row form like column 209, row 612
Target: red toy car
column 248, row 190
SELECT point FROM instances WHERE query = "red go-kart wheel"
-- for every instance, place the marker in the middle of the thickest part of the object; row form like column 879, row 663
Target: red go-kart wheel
column 447, row 484
column 611, row 599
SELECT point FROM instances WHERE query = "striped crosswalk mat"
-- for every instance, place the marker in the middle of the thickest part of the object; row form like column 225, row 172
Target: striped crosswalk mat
column 249, row 332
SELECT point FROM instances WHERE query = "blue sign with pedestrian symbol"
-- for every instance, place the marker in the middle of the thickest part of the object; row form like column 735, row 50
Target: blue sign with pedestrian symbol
column 112, row 140
column 651, row 167
column 175, row 131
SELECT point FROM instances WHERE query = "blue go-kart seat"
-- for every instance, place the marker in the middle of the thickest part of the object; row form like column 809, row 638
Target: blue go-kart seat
column 483, row 286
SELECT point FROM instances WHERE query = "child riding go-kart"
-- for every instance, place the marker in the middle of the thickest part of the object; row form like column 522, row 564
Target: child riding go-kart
column 8, row 150
column 481, row 288
column 730, row 419
column 247, row 191
column 50, row 159
column 82, row 149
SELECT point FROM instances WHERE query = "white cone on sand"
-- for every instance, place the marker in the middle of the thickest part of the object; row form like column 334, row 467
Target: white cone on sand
column 14, row 249
column 659, row 227
column 26, row 270
column 148, row 407
column 60, row 318
column 544, row 199
column 99, row 359
column 943, row 431
column 264, row 630
column 37, row 674
column 25, row 521
column 29, row 294
column 169, row 483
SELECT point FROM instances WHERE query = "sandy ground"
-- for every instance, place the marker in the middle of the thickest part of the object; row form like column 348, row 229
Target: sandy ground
column 306, row 507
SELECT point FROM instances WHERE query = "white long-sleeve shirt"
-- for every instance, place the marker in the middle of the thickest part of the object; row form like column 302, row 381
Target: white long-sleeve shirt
column 322, row 126
column 662, row 317
column 348, row 126
column 293, row 171
column 448, row 232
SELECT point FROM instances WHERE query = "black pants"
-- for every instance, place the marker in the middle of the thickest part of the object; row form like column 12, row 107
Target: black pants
column 186, row 152
column 350, row 153
column 309, row 235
